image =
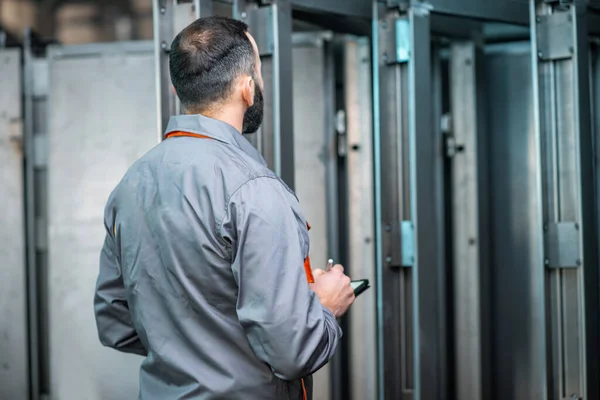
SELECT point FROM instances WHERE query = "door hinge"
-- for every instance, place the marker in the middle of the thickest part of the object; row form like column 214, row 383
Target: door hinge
column 342, row 138
column 451, row 146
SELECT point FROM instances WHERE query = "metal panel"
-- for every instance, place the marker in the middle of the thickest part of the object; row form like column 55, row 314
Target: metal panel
column 275, row 138
column 470, row 223
column 518, row 345
column 14, row 373
column 363, row 344
column 408, row 160
column 563, row 127
column 102, row 114
column 313, row 147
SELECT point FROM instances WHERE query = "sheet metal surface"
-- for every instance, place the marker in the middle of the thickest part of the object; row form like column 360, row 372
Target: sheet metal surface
column 518, row 354
column 102, row 110
column 14, row 375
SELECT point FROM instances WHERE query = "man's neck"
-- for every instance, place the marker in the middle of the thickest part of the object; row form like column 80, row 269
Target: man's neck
column 228, row 118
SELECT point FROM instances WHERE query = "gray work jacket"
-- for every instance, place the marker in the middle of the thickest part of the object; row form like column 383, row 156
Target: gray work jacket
column 202, row 273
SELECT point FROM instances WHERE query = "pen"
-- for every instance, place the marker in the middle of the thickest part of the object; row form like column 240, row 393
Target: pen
column 329, row 265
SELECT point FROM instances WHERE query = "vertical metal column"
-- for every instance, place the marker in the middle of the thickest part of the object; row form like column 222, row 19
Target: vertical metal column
column 468, row 151
column 410, row 285
column 30, row 221
column 561, row 76
column 271, row 27
column 35, row 70
column 169, row 18
column 595, row 101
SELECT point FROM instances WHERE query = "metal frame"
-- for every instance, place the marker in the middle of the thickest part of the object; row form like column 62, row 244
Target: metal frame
column 410, row 255
column 35, row 87
column 512, row 11
column 30, row 220
column 559, row 36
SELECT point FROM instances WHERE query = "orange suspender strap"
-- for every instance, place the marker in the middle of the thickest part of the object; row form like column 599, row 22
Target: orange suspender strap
column 307, row 268
column 304, row 396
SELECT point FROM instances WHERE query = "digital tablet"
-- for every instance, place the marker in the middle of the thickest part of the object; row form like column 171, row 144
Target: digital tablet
column 359, row 286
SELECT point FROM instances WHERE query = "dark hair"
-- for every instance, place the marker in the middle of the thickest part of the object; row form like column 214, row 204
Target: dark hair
column 206, row 57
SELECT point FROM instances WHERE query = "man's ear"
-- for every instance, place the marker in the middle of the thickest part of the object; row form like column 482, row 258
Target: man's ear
column 173, row 89
column 248, row 90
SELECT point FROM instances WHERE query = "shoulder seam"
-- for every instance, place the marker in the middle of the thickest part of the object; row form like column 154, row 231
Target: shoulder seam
column 268, row 176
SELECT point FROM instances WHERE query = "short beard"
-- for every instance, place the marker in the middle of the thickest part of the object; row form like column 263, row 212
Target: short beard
column 254, row 114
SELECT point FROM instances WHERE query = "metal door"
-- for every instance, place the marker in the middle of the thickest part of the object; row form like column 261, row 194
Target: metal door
column 334, row 181
column 517, row 309
column 102, row 117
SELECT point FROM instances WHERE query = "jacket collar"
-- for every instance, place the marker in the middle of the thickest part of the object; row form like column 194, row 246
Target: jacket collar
column 215, row 129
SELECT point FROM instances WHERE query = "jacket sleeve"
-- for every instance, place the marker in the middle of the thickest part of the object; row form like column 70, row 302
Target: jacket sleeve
column 113, row 320
column 286, row 325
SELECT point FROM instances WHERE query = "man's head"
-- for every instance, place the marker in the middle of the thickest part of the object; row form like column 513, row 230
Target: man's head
column 215, row 68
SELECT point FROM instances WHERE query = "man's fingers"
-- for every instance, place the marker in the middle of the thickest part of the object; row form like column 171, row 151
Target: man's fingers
column 339, row 268
column 318, row 272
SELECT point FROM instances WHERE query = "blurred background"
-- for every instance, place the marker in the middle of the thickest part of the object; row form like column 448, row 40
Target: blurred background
column 76, row 22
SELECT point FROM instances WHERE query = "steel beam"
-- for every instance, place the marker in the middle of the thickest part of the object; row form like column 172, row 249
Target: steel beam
column 271, row 26
column 512, row 11
column 408, row 194
column 467, row 148
column 560, row 45
column 352, row 8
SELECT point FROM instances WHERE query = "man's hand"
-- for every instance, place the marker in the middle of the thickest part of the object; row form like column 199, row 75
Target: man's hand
column 333, row 289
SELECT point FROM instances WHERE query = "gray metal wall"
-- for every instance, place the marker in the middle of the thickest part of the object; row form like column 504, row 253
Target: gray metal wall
column 102, row 112
column 14, row 375
column 516, row 243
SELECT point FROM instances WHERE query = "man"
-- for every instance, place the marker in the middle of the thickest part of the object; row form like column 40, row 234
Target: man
column 203, row 266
